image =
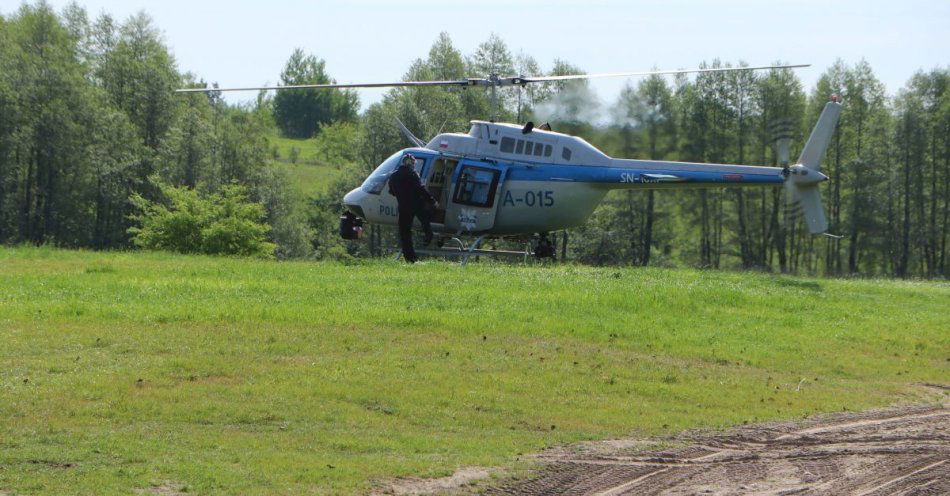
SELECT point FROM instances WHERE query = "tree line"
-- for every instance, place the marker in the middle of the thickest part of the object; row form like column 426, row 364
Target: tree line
column 92, row 137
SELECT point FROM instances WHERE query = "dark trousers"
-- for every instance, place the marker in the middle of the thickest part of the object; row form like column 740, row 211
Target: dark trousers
column 405, row 229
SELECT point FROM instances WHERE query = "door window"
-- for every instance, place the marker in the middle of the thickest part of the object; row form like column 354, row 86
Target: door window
column 476, row 186
column 419, row 165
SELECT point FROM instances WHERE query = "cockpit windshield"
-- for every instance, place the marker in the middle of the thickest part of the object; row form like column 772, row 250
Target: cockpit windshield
column 375, row 182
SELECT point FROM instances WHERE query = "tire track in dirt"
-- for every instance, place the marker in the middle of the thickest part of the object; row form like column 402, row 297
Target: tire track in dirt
column 893, row 451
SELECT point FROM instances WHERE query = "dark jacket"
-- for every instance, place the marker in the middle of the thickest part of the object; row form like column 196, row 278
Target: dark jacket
column 407, row 187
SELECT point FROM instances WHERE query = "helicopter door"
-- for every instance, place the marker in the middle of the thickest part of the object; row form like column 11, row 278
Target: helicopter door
column 438, row 183
column 475, row 191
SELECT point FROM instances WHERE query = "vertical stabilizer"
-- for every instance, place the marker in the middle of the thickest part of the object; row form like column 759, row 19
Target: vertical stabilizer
column 803, row 178
column 820, row 136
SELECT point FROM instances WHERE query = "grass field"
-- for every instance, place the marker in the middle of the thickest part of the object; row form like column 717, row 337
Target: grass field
column 124, row 371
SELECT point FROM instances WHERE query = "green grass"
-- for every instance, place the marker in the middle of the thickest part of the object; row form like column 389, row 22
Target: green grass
column 311, row 174
column 126, row 370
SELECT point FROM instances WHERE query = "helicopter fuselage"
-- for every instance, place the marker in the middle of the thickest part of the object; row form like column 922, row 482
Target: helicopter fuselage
column 504, row 180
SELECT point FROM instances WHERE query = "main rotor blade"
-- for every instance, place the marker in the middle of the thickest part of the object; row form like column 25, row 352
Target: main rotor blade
column 539, row 79
column 492, row 80
column 464, row 82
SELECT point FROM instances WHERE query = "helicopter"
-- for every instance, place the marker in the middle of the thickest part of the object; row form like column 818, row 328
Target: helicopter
column 502, row 180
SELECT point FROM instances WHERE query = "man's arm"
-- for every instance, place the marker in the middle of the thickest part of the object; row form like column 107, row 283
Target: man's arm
column 420, row 189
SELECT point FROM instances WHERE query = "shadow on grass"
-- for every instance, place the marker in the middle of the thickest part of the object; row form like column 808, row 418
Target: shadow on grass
column 794, row 283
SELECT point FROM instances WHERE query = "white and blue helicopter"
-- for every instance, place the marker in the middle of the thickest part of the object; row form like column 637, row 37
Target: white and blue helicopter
column 512, row 181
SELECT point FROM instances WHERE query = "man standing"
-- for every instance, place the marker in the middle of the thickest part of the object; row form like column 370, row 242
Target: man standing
column 414, row 201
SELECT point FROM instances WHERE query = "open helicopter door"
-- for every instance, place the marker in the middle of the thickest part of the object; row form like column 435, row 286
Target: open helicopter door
column 438, row 181
column 475, row 196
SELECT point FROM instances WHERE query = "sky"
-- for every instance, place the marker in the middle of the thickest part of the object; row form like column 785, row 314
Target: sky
column 241, row 43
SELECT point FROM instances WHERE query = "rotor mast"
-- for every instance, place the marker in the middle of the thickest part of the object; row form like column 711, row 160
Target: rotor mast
column 493, row 80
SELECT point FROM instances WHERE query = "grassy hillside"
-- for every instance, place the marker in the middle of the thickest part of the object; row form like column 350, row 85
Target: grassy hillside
column 224, row 376
column 311, row 173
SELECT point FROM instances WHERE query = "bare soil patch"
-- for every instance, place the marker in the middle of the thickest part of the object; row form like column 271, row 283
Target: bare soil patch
column 167, row 488
column 902, row 450
column 413, row 486
column 894, row 451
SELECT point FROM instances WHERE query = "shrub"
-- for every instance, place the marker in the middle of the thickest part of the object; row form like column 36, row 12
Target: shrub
column 222, row 223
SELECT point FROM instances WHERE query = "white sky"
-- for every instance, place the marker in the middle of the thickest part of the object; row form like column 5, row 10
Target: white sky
column 240, row 43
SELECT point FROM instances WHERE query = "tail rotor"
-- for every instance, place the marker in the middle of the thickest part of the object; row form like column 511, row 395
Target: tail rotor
column 802, row 178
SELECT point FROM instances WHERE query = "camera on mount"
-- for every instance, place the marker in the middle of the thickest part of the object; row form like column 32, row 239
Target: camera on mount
column 351, row 226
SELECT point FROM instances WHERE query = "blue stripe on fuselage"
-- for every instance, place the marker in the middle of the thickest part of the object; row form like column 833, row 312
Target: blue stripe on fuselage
column 521, row 171
column 612, row 175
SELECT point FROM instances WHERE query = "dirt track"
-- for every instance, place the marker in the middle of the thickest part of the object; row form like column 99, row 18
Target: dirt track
column 902, row 451
column 898, row 451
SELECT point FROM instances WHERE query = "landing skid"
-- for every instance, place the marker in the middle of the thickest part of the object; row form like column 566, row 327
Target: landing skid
column 465, row 252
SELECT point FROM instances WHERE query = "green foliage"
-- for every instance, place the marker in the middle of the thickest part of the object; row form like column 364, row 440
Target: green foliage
column 48, row 133
column 254, row 377
column 301, row 114
column 186, row 153
column 294, row 154
column 284, row 206
column 92, row 116
column 338, row 144
column 89, row 115
column 139, row 76
column 223, row 223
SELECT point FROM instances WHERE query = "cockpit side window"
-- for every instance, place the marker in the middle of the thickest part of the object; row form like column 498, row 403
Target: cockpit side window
column 566, row 154
column 377, row 180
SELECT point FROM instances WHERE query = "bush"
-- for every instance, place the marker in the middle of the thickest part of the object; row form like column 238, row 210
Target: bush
column 223, row 223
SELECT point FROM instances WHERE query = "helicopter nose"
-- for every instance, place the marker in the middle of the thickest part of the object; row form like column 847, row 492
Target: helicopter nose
column 353, row 201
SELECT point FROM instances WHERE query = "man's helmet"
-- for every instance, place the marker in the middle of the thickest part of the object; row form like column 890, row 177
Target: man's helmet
column 408, row 159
